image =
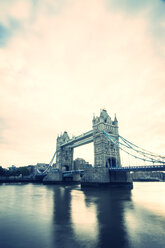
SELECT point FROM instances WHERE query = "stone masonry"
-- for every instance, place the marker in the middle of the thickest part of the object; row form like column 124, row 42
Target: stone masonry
column 106, row 154
column 64, row 155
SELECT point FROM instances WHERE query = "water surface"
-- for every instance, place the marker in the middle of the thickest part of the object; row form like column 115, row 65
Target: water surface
column 65, row 216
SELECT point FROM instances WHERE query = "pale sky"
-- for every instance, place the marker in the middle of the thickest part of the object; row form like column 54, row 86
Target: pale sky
column 63, row 60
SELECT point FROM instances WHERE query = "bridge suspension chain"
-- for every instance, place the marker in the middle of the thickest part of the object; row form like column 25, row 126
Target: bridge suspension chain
column 135, row 151
column 146, row 155
column 50, row 165
column 143, row 151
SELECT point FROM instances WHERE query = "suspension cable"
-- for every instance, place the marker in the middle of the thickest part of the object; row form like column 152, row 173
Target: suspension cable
column 50, row 164
column 147, row 158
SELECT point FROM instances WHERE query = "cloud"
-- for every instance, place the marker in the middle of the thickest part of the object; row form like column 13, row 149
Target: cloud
column 18, row 16
column 8, row 31
column 14, row 15
column 153, row 11
column 66, row 61
column 134, row 7
column 131, row 6
column 3, row 127
column 17, row 9
column 4, row 35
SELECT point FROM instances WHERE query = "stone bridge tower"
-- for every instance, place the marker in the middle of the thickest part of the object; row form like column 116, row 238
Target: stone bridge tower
column 64, row 155
column 106, row 154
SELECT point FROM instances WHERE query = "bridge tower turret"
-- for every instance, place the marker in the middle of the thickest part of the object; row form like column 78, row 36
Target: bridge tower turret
column 106, row 154
column 64, row 155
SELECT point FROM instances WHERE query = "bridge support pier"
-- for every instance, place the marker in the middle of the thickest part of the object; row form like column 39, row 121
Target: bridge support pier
column 102, row 177
column 53, row 178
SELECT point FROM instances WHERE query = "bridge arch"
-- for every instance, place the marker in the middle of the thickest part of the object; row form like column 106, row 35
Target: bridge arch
column 111, row 162
column 65, row 168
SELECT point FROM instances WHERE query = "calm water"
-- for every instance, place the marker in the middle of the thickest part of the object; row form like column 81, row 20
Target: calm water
column 56, row 216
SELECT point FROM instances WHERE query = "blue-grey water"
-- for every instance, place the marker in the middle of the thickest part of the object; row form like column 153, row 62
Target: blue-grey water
column 65, row 216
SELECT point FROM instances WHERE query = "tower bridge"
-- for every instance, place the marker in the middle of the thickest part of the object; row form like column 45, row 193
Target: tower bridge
column 108, row 146
column 106, row 154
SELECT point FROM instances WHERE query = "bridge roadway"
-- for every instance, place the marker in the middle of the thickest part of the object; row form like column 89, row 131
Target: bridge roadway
column 129, row 168
column 140, row 168
column 80, row 140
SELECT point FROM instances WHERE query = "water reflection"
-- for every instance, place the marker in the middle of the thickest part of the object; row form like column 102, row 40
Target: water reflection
column 108, row 218
column 84, row 218
column 63, row 235
column 145, row 221
column 25, row 216
column 68, row 217
column 110, row 206
column 89, row 218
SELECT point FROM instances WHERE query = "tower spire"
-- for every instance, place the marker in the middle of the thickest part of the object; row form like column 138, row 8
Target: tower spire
column 115, row 119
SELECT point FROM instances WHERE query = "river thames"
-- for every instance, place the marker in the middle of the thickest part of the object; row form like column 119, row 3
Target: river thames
column 55, row 216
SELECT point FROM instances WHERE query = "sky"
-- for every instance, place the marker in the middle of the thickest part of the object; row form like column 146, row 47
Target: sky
column 61, row 61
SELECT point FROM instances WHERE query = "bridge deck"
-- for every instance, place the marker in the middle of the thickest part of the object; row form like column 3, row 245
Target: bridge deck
column 130, row 168
column 140, row 168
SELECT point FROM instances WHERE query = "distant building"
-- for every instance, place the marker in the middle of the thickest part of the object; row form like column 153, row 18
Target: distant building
column 12, row 168
column 80, row 164
column 148, row 176
column 31, row 168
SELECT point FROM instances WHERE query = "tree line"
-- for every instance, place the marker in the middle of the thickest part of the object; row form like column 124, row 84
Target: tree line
column 24, row 171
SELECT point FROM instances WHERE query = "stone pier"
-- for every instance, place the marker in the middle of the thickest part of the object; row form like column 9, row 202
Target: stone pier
column 102, row 177
column 53, row 178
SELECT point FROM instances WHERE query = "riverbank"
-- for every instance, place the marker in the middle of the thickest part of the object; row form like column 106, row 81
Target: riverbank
column 19, row 180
